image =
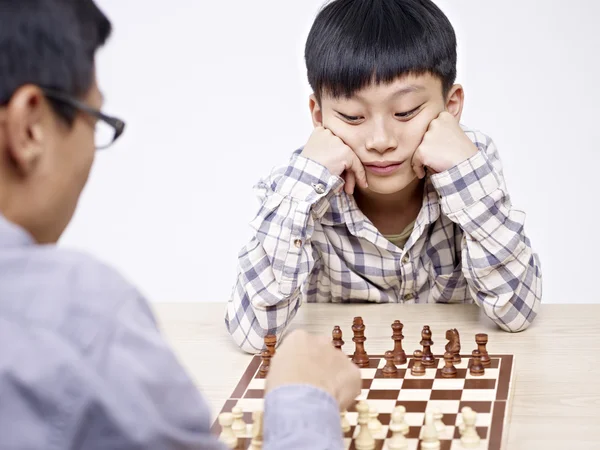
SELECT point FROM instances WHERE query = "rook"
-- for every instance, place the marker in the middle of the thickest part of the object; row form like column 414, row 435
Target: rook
column 481, row 339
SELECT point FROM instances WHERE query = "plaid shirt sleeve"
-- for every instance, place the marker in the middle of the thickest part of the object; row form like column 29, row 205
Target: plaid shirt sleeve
column 502, row 271
column 273, row 266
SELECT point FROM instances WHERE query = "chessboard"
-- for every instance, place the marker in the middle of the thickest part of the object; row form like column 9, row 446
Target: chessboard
column 435, row 402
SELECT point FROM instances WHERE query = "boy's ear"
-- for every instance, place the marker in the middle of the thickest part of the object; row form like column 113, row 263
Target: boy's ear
column 455, row 101
column 315, row 111
column 24, row 128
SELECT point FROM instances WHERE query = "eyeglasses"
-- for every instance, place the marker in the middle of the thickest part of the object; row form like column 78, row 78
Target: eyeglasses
column 108, row 129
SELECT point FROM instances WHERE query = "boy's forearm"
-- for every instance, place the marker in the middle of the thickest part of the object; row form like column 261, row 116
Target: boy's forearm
column 279, row 258
column 502, row 271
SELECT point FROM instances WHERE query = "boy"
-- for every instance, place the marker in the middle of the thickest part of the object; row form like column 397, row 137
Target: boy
column 82, row 363
column 391, row 199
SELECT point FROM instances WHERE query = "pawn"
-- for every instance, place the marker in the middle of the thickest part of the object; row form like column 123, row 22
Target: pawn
column 227, row 435
column 336, row 335
column 266, row 362
column 417, row 368
column 375, row 425
column 364, row 440
column 344, row 421
column 430, row 439
column 257, row 430
column 239, row 426
column 390, row 368
column 426, row 342
column 399, row 429
column 469, row 438
column 476, row 367
column 449, row 371
column 437, row 420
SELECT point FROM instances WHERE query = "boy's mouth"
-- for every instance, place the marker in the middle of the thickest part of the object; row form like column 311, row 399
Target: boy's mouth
column 383, row 167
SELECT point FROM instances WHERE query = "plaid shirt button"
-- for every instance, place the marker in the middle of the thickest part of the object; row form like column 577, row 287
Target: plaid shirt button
column 405, row 259
column 409, row 296
column 298, row 243
column 319, row 188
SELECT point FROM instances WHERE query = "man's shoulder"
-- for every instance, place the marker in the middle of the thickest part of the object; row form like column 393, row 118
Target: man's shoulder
column 477, row 136
column 64, row 292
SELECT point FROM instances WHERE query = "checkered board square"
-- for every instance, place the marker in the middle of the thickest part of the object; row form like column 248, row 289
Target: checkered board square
column 488, row 395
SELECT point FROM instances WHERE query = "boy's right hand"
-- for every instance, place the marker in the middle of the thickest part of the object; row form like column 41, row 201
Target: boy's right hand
column 330, row 151
column 306, row 359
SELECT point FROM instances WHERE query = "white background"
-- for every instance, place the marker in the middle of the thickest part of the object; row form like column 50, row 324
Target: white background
column 215, row 94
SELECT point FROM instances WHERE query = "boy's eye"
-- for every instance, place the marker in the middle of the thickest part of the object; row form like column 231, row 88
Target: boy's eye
column 350, row 118
column 404, row 115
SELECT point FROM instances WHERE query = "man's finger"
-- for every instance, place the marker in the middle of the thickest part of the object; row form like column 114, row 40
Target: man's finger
column 417, row 164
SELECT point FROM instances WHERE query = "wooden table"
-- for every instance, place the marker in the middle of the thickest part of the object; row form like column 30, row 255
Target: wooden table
column 556, row 403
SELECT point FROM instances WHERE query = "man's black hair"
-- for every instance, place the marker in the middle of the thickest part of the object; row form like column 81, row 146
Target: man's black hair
column 354, row 43
column 51, row 44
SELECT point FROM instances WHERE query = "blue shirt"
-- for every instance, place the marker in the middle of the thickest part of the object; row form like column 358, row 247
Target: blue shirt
column 84, row 366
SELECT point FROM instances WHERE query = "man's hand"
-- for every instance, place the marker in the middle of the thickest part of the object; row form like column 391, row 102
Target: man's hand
column 330, row 151
column 305, row 359
column 444, row 145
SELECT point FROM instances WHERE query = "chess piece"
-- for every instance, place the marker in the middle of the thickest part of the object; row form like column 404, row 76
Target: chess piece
column 399, row 429
column 449, row 371
column 429, row 437
column 257, row 430
column 266, row 362
column 390, row 368
column 270, row 342
column 397, row 336
column 437, row 420
column 476, row 367
column 336, row 335
column 426, row 342
column 239, row 426
column 453, row 345
column 469, row 437
column 482, row 339
column 227, row 435
column 375, row 425
column 360, row 357
column 364, row 440
column 417, row 368
column 345, row 423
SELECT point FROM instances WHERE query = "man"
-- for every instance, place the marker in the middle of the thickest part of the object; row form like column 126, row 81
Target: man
column 82, row 363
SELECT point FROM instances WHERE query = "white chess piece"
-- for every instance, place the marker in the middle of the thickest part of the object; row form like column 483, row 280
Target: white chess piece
column 345, row 423
column 227, row 436
column 364, row 440
column 437, row 419
column 399, row 429
column 374, row 423
column 257, row 430
column 469, row 436
column 429, row 437
column 239, row 426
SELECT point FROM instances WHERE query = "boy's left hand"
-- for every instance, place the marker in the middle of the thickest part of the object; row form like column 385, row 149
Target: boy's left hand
column 444, row 145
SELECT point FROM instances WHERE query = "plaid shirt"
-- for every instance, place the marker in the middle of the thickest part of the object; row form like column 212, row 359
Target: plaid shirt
column 315, row 245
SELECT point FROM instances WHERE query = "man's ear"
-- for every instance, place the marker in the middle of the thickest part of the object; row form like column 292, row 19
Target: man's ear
column 455, row 101
column 315, row 111
column 25, row 131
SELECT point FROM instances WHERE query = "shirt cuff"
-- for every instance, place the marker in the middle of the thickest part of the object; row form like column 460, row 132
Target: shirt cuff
column 466, row 183
column 307, row 181
column 301, row 414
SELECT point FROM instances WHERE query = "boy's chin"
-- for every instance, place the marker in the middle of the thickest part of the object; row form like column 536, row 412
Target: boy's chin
column 390, row 186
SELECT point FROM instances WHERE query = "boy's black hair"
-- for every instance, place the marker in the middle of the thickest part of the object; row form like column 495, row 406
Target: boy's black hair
column 51, row 44
column 354, row 43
